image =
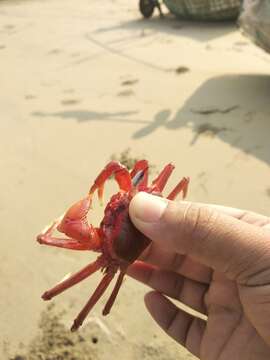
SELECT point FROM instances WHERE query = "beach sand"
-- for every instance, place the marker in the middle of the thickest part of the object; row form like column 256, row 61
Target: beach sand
column 81, row 81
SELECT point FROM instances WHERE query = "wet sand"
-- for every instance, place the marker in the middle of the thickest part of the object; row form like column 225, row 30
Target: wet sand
column 83, row 81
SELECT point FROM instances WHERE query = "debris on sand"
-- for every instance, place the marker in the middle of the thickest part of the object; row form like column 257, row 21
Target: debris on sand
column 128, row 160
column 151, row 352
column 94, row 341
column 56, row 342
column 208, row 110
column 207, row 130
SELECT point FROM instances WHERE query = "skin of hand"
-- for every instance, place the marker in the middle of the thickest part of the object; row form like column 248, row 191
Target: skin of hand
column 215, row 260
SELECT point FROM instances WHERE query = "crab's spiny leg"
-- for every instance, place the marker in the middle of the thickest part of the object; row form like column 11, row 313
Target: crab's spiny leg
column 181, row 186
column 74, row 279
column 93, row 300
column 114, row 293
column 159, row 183
column 140, row 167
column 120, row 173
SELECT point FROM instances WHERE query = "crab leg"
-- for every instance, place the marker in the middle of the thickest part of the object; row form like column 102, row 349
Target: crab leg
column 114, row 293
column 159, row 183
column 93, row 300
column 182, row 186
column 141, row 167
column 120, row 173
column 74, row 279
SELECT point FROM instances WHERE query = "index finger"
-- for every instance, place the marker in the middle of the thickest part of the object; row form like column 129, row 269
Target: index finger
column 181, row 264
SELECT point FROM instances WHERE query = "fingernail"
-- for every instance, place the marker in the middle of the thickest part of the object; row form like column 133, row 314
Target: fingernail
column 147, row 208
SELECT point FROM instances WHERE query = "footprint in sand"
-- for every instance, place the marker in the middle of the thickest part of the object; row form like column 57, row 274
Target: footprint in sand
column 181, row 70
column 75, row 54
column 68, row 91
column 68, row 102
column 126, row 93
column 30, row 97
column 9, row 27
column 129, row 82
column 241, row 43
column 54, row 52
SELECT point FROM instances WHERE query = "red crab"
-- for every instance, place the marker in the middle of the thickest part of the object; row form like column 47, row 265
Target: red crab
column 118, row 241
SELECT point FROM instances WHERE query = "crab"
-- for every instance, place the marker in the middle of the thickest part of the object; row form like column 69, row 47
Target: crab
column 116, row 239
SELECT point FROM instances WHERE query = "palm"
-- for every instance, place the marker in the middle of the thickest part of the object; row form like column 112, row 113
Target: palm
column 229, row 332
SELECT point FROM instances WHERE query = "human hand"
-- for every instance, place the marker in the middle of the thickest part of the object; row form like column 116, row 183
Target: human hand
column 214, row 259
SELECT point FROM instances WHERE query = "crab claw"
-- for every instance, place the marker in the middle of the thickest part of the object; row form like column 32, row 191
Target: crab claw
column 76, row 214
column 75, row 225
column 47, row 231
column 120, row 174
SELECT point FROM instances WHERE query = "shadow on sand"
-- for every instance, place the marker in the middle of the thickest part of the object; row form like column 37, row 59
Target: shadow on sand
column 199, row 31
column 234, row 108
column 86, row 115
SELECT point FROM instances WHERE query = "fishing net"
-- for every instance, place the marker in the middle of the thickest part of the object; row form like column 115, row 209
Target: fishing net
column 255, row 22
column 207, row 10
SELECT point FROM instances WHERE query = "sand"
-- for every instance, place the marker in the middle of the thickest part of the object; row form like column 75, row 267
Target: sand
column 81, row 81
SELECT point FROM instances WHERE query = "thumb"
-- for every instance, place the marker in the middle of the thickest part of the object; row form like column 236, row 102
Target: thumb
column 219, row 241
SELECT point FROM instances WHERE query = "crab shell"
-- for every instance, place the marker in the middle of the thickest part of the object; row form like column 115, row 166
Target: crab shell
column 121, row 238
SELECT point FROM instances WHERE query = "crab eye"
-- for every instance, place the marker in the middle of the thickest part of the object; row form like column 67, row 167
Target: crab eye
column 138, row 178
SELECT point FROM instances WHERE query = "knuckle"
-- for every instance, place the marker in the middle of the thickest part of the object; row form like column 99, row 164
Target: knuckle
column 171, row 321
column 177, row 262
column 147, row 253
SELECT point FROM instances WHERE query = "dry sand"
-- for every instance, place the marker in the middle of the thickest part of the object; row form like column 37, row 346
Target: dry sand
column 80, row 81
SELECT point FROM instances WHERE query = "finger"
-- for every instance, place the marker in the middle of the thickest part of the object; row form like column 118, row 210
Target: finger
column 238, row 249
column 249, row 217
column 156, row 255
column 181, row 264
column 181, row 326
column 190, row 293
column 234, row 212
